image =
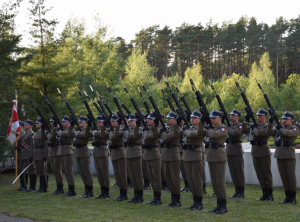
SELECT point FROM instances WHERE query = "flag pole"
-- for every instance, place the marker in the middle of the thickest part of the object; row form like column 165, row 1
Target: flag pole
column 16, row 150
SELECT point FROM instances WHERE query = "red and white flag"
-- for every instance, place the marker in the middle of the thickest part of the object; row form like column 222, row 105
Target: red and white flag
column 13, row 130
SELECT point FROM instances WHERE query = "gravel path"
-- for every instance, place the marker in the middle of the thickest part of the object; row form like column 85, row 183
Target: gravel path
column 4, row 218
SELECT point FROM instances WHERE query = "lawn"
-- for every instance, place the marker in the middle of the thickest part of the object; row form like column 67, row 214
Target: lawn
column 49, row 207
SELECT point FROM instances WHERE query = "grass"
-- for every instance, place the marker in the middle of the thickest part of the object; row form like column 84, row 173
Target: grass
column 49, row 207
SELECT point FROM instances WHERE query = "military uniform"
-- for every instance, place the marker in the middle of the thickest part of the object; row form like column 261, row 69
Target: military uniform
column 66, row 151
column 83, row 156
column 192, row 159
column 182, row 169
column 101, row 158
column 235, row 159
column 171, row 159
column 261, row 155
column 40, row 156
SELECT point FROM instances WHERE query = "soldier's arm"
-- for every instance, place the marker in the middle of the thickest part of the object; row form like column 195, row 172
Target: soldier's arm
column 260, row 132
column 177, row 132
column 31, row 144
column 271, row 130
column 201, row 131
column 217, row 134
column 88, row 132
column 118, row 132
column 44, row 135
column 245, row 128
column 235, row 131
column 104, row 132
column 133, row 135
column 54, row 132
column 46, row 151
column 156, row 132
column 71, row 131
column 289, row 132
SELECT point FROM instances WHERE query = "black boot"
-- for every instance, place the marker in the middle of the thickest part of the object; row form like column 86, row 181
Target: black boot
column 123, row 195
column 185, row 186
column 41, row 185
column 154, row 198
column 119, row 197
column 172, row 201
column 139, row 198
column 45, row 185
column 177, row 200
column 22, row 183
column 164, row 186
column 89, row 192
column 26, row 180
column 101, row 194
column 264, row 196
column 134, row 197
column 115, row 185
column 287, row 198
column 105, row 193
column 217, row 207
column 222, row 208
column 33, row 178
column 204, row 190
column 59, row 188
column 270, row 194
column 157, row 196
column 147, row 184
column 236, row 192
column 293, row 197
column 241, row 193
column 71, row 191
column 128, row 183
column 85, row 191
column 213, row 195
column 194, row 204
column 199, row 205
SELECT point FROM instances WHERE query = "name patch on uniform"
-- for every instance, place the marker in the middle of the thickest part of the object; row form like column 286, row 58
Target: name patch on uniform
column 223, row 129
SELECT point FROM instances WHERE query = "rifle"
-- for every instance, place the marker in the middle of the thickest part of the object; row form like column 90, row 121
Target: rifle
column 55, row 116
column 122, row 104
column 201, row 103
column 90, row 114
column 43, row 120
column 120, row 111
column 145, row 102
column 271, row 109
column 187, row 108
column 179, row 108
column 168, row 99
column 248, row 107
column 104, row 113
column 222, row 108
column 156, row 113
column 138, row 111
column 72, row 114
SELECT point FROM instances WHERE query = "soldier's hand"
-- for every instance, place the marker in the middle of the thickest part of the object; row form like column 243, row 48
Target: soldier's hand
column 138, row 122
column 247, row 117
column 188, row 118
column 207, row 126
column 178, row 120
column 59, row 128
column 271, row 119
column 253, row 125
column 31, row 159
column 202, row 118
column 111, row 129
column 78, row 129
column 163, row 129
column 119, row 121
column 72, row 123
column 228, row 125
column 185, row 128
column 89, row 123
column 279, row 126
column 156, row 122
column 43, row 126
column 125, row 128
column 145, row 128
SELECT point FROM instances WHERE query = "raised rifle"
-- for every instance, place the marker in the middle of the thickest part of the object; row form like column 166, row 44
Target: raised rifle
column 156, row 113
column 168, row 99
column 72, row 114
column 187, row 111
column 248, row 107
column 201, row 103
column 55, row 116
column 138, row 111
column 117, row 102
column 43, row 120
column 99, row 99
column 145, row 102
column 90, row 114
column 222, row 108
column 179, row 108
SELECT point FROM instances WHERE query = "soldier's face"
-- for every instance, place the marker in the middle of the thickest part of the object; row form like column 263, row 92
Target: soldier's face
column 113, row 123
column 132, row 123
column 171, row 121
column 81, row 124
column 51, row 124
column 99, row 124
column 195, row 121
column 215, row 121
column 27, row 127
column 287, row 121
column 38, row 125
column 261, row 118
column 150, row 122
column 234, row 118
column 66, row 124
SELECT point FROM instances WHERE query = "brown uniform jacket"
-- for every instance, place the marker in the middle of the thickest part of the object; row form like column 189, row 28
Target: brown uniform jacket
column 83, row 136
column 40, row 144
column 288, row 133
column 172, row 135
column 261, row 132
column 151, row 137
column 66, row 135
column 102, row 136
column 193, row 137
column 116, row 137
column 133, row 134
column 27, row 143
column 216, row 134
column 53, row 150
column 19, row 144
column 235, row 131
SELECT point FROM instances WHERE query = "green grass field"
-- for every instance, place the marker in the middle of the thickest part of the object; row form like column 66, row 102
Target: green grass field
column 49, row 207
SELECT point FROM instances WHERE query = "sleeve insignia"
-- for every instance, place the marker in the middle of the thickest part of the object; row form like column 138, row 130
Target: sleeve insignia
column 223, row 129
column 295, row 129
column 240, row 127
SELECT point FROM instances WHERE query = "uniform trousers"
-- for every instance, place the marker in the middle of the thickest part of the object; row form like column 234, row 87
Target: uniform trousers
column 102, row 168
column 40, row 169
column 287, row 169
column 145, row 171
column 172, row 175
column 67, row 161
column 203, row 169
column 84, row 169
column 217, row 176
column 162, row 171
column 21, row 166
column 182, row 169
column 135, row 172
column 154, row 172
column 236, row 168
column 56, row 164
column 262, row 166
column 120, row 171
column 194, row 177
column 31, row 169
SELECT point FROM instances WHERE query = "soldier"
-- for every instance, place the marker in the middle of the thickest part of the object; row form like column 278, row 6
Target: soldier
column 161, row 144
column 40, row 154
column 101, row 156
column 133, row 154
column 21, row 160
column 192, row 159
column 171, row 157
column 186, row 187
column 261, row 152
column 66, row 151
column 117, row 152
column 234, row 151
column 152, row 157
column 82, row 153
column 216, row 156
column 285, row 154
column 55, row 158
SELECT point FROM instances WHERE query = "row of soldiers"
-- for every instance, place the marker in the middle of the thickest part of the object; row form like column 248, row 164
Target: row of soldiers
column 129, row 146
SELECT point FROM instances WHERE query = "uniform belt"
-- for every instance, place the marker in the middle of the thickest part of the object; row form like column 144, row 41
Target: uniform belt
column 63, row 143
column 190, row 146
column 161, row 145
column 76, row 144
column 148, row 146
column 52, row 144
column 169, row 145
column 233, row 140
column 115, row 146
column 214, row 145
column 284, row 143
column 130, row 143
column 39, row 147
column 98, row 143
column 257, row 142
